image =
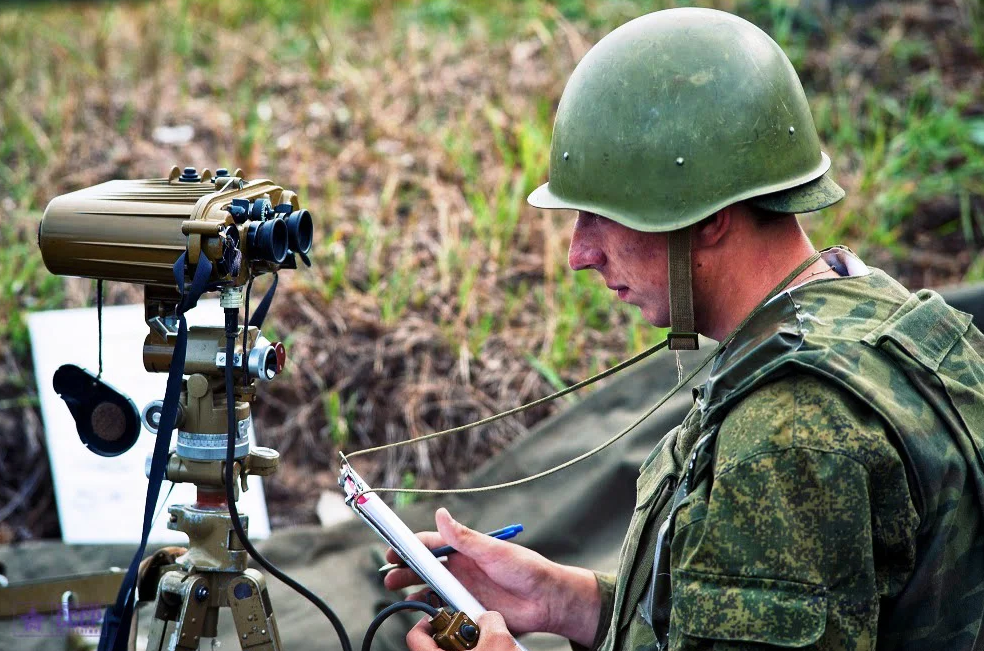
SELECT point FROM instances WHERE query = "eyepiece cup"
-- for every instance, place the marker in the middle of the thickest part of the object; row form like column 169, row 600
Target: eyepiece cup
column 262, row 362
column 300, row 227
column 268, row 240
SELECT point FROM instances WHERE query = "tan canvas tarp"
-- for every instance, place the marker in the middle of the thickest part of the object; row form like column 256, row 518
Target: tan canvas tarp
column 578, row 516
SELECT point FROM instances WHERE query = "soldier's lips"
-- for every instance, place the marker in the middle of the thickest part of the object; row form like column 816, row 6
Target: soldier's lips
column 621, row 290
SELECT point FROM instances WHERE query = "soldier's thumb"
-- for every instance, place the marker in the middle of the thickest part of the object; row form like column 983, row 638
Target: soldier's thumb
column 467, row 541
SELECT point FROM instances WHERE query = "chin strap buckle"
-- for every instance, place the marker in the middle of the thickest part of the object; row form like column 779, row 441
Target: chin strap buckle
column 682, row 341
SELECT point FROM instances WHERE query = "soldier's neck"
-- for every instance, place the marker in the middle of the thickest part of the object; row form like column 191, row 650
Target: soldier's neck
column 732, row 284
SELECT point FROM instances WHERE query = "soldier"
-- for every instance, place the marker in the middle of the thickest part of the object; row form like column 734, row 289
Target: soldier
column 826, row 491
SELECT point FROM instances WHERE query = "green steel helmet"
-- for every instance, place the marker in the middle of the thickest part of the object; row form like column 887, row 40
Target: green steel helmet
column 679, row 113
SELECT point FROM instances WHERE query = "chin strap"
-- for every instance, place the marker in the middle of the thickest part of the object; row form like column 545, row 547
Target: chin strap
column 683, row 332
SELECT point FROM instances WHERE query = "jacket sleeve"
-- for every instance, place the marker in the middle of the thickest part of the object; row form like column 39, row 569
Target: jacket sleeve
column 606, row 590
column 805, row 525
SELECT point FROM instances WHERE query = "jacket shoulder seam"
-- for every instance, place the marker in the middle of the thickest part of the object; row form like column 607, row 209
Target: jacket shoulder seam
column 731, row 466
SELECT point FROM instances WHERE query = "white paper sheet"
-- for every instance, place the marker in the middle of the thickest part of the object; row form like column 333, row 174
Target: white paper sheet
column 100, row 499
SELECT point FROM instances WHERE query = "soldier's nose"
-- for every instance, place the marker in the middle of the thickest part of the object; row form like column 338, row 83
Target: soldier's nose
column 585, row 251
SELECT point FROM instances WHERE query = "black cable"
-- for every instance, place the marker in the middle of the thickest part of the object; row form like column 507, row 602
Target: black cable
column 389, row 610
column 99, row 317
column 245, row 367
column 232, row 326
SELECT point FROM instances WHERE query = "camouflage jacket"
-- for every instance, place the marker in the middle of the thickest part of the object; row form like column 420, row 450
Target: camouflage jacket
column 842, row 505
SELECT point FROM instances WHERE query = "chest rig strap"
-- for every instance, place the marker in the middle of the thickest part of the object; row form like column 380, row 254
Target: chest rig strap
column 656, row 604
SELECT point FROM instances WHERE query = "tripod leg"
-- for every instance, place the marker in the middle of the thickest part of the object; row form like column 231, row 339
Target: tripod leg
column 253, row 613
column 194, row 609
column 149, row 584
column 179, row 599
column 166, row 607
column 155, row 638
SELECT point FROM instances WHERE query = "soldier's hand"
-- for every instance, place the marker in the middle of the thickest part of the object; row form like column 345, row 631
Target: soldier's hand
column 493, row 636
column 531, row 592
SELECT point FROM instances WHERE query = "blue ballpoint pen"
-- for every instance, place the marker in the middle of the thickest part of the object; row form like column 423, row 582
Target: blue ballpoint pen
column 502, row 534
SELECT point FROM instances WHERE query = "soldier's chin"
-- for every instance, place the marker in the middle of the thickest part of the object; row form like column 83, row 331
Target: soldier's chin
column 654, row 316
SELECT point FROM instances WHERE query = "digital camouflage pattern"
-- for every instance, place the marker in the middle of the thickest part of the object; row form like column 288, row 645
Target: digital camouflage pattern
column 844, row 509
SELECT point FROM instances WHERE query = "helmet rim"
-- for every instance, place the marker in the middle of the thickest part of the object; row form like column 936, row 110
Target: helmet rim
column 807, row 193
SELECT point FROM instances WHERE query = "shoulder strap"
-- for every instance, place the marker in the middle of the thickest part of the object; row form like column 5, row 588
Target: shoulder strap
column 116, row 622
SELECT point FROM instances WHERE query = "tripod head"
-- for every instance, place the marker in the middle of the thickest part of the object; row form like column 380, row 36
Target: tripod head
column 202, row 417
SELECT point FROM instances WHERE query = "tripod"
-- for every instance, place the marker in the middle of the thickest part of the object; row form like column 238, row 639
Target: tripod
column 212, row 574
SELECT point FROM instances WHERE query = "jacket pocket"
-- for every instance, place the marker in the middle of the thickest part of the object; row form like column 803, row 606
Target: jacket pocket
column 744, row 609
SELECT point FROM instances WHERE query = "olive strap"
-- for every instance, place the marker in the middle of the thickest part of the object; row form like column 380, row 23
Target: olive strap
column 683, row 332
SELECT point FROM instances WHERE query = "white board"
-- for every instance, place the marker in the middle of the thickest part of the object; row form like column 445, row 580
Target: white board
column 101, row 499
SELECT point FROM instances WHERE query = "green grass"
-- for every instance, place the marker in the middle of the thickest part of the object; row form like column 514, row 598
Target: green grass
column 898, row 140
column 24, row 286
column 408, row 480
column 339, row 416
column 933, row 154
column 976, row 271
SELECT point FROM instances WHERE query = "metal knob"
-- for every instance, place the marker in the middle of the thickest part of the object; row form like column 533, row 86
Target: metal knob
column 469, row 632
column 262, row 461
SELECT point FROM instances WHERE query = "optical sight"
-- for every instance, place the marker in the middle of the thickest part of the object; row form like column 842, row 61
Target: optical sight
column 135, row 231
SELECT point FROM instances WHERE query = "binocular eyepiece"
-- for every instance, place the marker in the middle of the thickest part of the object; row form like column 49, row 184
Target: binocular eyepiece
column 268, row 240
column 270, row 235
column 300, row 231
column 274, row 238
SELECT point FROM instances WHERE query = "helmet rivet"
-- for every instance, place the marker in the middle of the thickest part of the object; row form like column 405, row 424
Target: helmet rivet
column 792, row 130
column 679, row 161
column 566, row 155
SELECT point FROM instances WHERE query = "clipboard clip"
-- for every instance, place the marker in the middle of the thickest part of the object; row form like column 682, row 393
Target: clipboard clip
column 353, row 485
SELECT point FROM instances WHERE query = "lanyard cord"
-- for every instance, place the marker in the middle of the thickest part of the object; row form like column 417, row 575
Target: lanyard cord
column 659, row 403
column 515, row 410
column 116, row 622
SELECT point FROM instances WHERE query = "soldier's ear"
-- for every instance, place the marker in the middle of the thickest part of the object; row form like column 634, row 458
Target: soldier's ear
column 713, row 230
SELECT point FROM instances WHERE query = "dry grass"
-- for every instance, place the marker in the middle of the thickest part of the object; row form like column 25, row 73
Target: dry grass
column 413, row 133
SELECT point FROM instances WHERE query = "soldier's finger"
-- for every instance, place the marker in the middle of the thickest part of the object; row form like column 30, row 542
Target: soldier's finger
column 401, row 578
column 425, row 596
column 419, row 638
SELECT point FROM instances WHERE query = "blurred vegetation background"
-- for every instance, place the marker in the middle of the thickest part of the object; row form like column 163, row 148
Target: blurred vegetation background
column 414, row 131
